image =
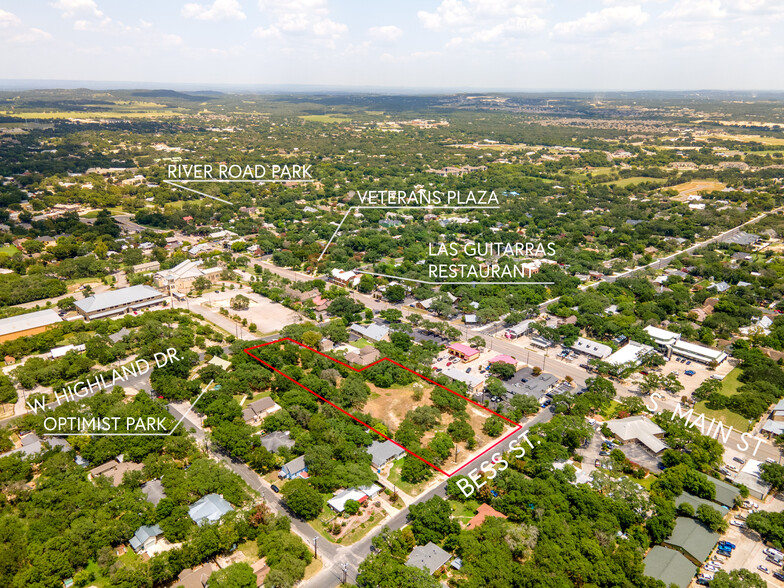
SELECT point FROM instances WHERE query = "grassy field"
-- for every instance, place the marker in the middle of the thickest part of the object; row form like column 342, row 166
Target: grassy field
column 8, row 250
column 694, row 187
column 730, row 384
column 463, row 511
column 750, row 138
column 635, row 180
column 60, row 114
column 724, row 415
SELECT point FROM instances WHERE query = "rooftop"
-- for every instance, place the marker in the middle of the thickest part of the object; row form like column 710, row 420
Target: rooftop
column 638, row 428
column 669, row 566
column 429, row 557
column 115, row 298
column 209, row 509
column 592, row 348
column 31, row 320
column 693, row 537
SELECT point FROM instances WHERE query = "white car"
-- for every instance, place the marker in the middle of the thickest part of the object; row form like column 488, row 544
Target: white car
column 763, row 569
column 732, row 468
column 711, row 568
column 716, row 563
column 738, row 524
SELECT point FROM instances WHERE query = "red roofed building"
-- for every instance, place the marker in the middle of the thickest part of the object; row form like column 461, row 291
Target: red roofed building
column 463, row 351
column 484, row 511
column 504, row 358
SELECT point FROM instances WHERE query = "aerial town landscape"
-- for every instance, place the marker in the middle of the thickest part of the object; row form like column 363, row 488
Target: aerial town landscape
column 288, row 336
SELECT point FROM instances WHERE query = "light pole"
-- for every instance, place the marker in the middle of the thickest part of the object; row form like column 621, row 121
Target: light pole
column 315, row 547
column 344, row 567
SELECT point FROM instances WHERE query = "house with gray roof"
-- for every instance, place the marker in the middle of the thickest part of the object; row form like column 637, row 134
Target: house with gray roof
column 154, row 491
column 209, row 509
column 256, row 411
column 119, row 301
column 428, row 557
column 277, row 439
column 145, row 537
column 372, row 332
column 295, row 468
column 382, row 452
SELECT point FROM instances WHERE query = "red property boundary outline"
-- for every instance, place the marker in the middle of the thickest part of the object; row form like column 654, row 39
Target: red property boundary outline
column 516, row 426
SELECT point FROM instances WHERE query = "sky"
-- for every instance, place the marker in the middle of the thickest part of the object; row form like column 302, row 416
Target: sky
column 449, row 44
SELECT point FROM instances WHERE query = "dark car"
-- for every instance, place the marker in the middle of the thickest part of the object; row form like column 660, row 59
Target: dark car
column 739, row 459
column 778, row 575
column 275, row 489
column 468, row 370
column 523, row 380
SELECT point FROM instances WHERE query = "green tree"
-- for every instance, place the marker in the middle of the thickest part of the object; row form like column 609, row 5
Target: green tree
column 351, row 507
column 238, row 575
column 502, row 370
column 740, row 578
column 493, row 426
column 711, row 518
column 303, row 499
column 432, row 520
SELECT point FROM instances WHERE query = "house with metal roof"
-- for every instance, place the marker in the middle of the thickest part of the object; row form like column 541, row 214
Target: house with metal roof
column 119, row 301
column 473, row 381
column 382, row 452
column 631, row 354
column 145, row 537
column 27, row 325
column 430, row 558
column 154, row 491
column 338, row 502
column 693, row 539
column 669, row 566
column 295, row 468
column 209, row 509
column 372, row 332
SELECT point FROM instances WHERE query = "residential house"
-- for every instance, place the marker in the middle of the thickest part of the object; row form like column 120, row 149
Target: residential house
column 145, row 537
column 383, row 452
column 275, row 440
column 209, row 509
column 428, row 557
column 296, row 468
column 114, row 470
column 372, row 332
column 365, row 357
column 257, row 411
column 484, row 511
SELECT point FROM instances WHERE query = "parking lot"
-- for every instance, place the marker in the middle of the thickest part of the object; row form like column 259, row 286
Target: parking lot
column 749, row 548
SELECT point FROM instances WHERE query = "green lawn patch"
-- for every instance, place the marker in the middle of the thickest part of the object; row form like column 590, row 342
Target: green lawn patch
column 724, row 415
column 612, row 410
column 9, row 250
column 410, row 489
column 730, row 383
column 464, row 511
column 635, row 180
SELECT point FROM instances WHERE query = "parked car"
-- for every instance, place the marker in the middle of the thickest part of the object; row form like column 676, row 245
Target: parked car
column 778, row 575
column 763, row 569
column 731, row 467
column 597, row 463
column 711, row 568
column 689, row 372
column 604, row 453
column 468, row 370
column 739, row 459
column 739, row 524
column 275, row 489
column 726, row 544
column 448, row 363
column 726, row 552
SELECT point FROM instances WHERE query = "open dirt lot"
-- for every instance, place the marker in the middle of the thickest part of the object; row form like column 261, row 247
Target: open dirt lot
column 695, row 187
column 269, row 316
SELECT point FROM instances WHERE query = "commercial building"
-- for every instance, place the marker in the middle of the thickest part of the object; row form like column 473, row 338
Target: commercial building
column 693, row 539
column 525, row 382
column 519, row 329
column 749, row 476
column 474, row 382
column 669, row 566
column 119, row 302
column 347, row 279
column 631, row 354
column 641, row 430
column 27, row 325
column 592, row 349
column 671, row 343
column 463, row 351
column 181, row 277
column 725, row 492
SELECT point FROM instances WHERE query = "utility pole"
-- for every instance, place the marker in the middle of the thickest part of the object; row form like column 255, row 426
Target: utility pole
column 315, row 547
column 456, row 452
column 344, row 567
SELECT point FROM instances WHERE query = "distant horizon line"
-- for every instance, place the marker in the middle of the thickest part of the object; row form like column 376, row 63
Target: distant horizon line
column 23, row 84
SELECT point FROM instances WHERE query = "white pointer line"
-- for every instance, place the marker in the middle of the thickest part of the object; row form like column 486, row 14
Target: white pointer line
column 460, row 283
column 350, row 208
column 177, row 424
column 200, row 193
column 217, row 181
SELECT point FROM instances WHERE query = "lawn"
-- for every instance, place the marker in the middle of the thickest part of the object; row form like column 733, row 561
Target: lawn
column 610, row 412
column 128, row 558
column 463, row 511
column 730, row 384
column 8, row 250
column 725, row 415
column 635, row 180
column 410, row 489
